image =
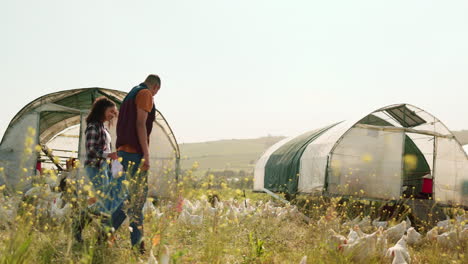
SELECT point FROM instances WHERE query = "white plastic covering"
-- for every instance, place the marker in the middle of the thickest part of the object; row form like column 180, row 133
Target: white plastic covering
column 12, row 151
column 451, row 171
column 163, row 162
column 315, row 158
column 368, row 163
column 465, row 147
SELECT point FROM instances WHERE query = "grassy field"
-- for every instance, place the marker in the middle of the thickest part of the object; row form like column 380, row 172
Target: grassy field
column 234, row 154
column 208, row 220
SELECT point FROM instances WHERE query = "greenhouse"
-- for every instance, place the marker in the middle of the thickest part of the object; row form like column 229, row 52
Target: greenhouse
column 394, row 151
column 55, row 123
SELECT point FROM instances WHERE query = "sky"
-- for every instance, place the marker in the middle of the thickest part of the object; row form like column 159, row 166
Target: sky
column 242, row 68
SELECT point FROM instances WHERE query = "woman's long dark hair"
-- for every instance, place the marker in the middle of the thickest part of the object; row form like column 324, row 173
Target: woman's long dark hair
column 98, row 109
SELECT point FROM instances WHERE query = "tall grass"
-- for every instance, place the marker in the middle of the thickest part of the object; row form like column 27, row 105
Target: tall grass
column 32, row 235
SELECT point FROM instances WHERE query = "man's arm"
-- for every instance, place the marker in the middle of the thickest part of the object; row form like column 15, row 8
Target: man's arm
column 142, row 115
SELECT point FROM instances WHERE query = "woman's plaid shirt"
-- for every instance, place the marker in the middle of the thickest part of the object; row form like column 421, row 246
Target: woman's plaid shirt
column 95, row 144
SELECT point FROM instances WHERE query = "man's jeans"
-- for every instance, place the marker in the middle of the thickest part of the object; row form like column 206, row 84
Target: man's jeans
column 137, row 184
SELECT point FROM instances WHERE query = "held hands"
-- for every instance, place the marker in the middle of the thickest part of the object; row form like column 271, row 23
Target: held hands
column 113, row 156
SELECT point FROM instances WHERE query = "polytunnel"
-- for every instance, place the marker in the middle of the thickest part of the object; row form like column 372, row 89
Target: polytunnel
column 395, row 150
column 56, row 122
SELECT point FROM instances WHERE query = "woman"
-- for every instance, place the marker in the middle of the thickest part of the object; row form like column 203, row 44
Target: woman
column 98, row 142
column 98, row 151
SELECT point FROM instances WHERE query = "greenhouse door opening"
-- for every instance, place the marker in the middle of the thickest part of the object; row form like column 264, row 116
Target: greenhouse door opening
column 62, row 149
column 418, row 160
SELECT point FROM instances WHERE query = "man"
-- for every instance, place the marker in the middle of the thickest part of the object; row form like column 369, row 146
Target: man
column 134, row 125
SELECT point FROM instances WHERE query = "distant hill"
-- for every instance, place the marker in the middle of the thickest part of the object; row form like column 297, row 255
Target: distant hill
column 462, row 136
column 233, row 154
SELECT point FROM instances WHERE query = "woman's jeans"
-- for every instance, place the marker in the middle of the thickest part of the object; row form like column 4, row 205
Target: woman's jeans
column 100, row 177
column 136, row 182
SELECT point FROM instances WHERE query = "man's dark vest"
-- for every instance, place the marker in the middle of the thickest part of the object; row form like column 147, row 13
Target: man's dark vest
column 126, row 124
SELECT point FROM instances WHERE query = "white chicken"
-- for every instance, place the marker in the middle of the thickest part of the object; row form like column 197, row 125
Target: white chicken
column 303, row 260
column 464, row 235
column 187, row 205
column 148, row 207
column 8, row 210
column 359, row 231
column 399, row 252
column 365, row 223
column 432, row 234
column 37, row 191
column 150, row 210
column 42, row 192
column 152, row 259
column 188, row 218
column 448, row 239
column 59, row 211
column 165, row 256
column 381, row 244
column 353, row 222
column 461, row 218
column 43, row 197
column 353, row 236
column 413, row 236
column 394, row 233
column 408, row 223
column 445, row 226
column 336, row 239
column 378, row 223
column 361, row 248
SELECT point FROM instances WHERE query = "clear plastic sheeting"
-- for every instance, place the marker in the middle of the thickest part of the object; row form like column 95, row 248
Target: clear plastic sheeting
column 315, row 158
column 12, row 152
column 164, row 159
column 368, row 163
column 451, row 172
column 432, row 124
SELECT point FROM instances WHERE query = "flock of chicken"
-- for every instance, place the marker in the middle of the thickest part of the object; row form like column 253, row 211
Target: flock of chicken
column 447, row 234
column 388, row 242
column 47, row 202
